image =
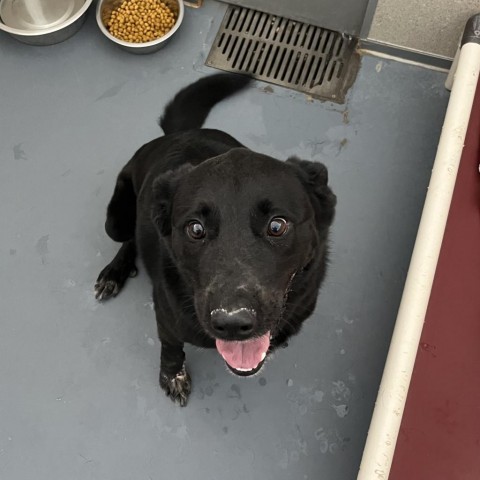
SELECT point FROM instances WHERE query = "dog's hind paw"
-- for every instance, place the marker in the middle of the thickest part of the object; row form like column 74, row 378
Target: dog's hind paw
column 177, row 387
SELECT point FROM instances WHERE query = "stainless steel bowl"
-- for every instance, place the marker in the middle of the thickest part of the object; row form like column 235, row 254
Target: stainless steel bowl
column 42, row 22
column 104, row 10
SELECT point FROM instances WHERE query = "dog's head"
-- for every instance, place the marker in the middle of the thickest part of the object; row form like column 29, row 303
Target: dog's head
column 240, row 226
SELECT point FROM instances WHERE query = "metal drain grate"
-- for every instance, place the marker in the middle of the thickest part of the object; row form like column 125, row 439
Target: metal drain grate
column 310, row 59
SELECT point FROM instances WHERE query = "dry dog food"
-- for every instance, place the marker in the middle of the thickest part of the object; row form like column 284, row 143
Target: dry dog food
column 139, row 21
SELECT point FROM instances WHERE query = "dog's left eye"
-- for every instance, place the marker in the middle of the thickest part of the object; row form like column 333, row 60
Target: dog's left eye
column 195, row 230
column 278, row 226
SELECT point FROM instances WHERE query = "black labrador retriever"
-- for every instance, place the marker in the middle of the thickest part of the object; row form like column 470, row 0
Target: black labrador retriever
column 235, row 242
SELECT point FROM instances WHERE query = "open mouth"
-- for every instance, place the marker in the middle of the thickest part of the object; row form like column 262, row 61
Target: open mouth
column 246, row 357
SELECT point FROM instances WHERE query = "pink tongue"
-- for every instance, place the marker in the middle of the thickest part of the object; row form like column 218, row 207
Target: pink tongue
column 244, row 355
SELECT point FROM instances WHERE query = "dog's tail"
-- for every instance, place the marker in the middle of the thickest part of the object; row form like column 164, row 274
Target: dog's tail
column 190, row 106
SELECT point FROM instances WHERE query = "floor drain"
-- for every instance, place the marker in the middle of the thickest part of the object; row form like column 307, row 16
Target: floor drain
column 313, row 60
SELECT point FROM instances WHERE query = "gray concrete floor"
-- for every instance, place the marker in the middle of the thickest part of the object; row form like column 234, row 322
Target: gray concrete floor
column 79, row 396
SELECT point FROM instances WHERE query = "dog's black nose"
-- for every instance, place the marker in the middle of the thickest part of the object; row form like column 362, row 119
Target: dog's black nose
column 236, row 324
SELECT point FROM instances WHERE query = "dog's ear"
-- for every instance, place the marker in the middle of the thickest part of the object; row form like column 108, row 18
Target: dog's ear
column 314, row 176
column 163, row 190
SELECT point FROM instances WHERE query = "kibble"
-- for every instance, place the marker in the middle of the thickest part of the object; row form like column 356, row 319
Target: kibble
column 140, row 21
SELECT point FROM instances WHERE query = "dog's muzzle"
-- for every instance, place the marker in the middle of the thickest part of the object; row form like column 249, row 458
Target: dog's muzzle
column 243, row 352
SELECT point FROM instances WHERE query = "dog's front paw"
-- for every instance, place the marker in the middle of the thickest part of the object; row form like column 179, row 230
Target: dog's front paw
column 177, row 387
column 111, row 280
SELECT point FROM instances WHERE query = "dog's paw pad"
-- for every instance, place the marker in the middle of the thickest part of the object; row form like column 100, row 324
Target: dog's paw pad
column 177, row 387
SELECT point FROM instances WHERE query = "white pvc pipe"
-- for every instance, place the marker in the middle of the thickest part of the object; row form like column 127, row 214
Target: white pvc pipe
column 387, row 416
column 453, row 69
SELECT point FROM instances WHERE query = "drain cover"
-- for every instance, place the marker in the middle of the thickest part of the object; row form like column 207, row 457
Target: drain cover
column 313, row 60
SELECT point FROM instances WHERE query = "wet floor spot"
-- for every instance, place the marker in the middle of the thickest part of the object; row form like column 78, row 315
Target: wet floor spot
column 42, row 245
column 18, row 152
column 111, row 92
column 318, row 396
column 235, row 392
column 42, row 248
column 340, row 391
column 302, row 409
column 209, row 391
column 341, row 410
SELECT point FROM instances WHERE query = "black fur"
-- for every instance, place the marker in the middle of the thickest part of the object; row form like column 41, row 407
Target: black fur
column 190, row 106
column 240, row 281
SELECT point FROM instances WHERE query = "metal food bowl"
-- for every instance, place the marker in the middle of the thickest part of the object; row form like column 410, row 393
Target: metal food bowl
column 42, row 22
column 104, row 10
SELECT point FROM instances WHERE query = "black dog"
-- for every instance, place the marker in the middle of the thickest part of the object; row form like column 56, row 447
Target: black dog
column 235, row 242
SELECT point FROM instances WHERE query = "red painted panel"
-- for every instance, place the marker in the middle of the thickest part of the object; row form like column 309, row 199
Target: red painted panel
column 440, row 433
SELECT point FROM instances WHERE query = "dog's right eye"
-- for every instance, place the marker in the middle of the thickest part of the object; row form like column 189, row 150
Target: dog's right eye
column 195, row 230
column 278, row 226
